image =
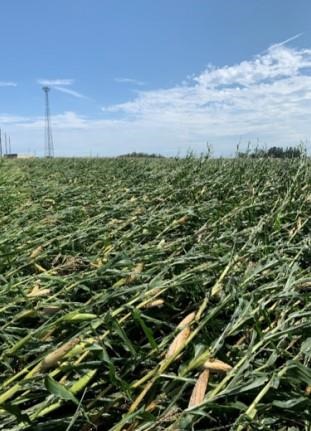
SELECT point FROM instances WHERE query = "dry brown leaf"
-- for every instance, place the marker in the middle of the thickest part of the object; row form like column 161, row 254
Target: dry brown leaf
column 36, row 292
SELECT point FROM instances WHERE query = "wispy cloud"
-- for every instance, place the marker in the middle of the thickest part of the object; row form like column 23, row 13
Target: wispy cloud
column 290, row 39
column 61, row 85
column 53, row 82
column 129, row 81
column 71, row 92
column 8, row 84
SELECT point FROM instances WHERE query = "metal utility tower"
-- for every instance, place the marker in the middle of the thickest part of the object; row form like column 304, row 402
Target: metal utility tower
column 6, row 144
column 49, row 146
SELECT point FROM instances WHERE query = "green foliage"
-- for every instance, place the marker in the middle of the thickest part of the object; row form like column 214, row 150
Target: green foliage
column 59, row 390
column 273, row 152
column 134, row 154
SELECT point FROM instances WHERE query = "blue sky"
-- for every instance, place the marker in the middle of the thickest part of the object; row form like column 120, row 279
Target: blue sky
column 157, row 76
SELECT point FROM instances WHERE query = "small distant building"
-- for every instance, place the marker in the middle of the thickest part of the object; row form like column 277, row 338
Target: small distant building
column 10, row 156
column 18, row 156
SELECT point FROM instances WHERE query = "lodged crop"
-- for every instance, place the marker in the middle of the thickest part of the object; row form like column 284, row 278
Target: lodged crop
column 155, row 294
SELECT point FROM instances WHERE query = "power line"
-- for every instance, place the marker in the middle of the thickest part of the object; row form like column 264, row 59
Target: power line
column 5, row 144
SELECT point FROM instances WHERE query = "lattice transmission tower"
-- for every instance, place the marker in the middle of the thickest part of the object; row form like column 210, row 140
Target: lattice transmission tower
column 48, row 144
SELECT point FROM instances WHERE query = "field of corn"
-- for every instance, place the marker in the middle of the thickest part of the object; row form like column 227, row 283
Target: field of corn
column 150, row 294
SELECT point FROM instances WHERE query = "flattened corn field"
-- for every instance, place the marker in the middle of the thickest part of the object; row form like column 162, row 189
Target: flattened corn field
column 149, row 294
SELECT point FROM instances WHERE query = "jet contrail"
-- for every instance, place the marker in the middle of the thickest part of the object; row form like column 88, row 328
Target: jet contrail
column 288, row 40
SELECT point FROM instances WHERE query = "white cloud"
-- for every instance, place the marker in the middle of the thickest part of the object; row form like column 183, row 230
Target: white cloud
column 53, row 82
column 266, row 97
column 66, row 121
column 129, row 81
column 279, row 62
column 8, row 84
column 13, row 119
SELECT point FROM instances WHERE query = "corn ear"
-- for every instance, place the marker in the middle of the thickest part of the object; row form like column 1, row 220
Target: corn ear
column 199, row 389
column 178, row 342
column 217, row 366
column 52, row 359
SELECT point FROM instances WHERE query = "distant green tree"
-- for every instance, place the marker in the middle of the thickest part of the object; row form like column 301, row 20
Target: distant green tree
column 145, row 155
column 273, row 152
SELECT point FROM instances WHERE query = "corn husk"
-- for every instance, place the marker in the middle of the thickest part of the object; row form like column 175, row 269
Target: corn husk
column 36, row 252
column 178, row 342
column 135, row 273
column 217, row 366
column 199, row 389
column 153, row 304
column 53, row 358
column 186, row 320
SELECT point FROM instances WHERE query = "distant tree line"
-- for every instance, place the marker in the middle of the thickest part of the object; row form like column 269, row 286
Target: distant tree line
column 145, row 155
column 273, row 152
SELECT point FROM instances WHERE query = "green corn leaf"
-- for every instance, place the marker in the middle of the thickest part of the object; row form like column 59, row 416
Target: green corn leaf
column 59, row 390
